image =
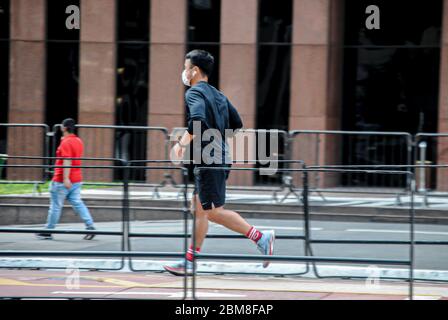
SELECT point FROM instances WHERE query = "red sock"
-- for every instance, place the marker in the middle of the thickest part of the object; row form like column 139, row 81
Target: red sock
column 254, row 234
column 190, row 253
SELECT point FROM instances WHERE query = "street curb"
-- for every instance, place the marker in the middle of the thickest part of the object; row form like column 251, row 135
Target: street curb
column 277, row 269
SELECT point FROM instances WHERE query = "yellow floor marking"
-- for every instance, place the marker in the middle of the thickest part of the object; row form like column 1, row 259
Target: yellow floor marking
column 317, row 290
column 11, row 282
column 177, row 283
column 117, row 283
column 120, row 282
column 129, row 284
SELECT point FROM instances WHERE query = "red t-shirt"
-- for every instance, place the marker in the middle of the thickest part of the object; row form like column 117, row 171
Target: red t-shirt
column 71, row 147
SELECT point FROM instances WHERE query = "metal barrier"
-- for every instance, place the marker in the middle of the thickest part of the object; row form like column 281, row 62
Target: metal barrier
column 211, row 236
column 431, row 148
column 307, row 237
column 308, row 258
column 367, row 148
column 127, row 167
column 319, row 148
column 411, row 242
column 124, row 142
column 34, row 230
column 30, row 139
column 275, row 184
column 124, row 233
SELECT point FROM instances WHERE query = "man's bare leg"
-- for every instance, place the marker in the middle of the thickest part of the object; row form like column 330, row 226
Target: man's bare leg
column 233, row 221
column 201, row 221
column 229, row 219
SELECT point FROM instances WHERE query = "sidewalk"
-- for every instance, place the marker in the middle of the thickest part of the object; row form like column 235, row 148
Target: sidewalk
column 106, row 205
column 124, row 285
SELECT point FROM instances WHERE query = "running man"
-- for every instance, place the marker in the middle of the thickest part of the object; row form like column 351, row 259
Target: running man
column 208, row 108
column 67, row 182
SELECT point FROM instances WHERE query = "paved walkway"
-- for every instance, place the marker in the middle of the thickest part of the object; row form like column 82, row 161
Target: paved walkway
column 341, row 197
column 124, row 285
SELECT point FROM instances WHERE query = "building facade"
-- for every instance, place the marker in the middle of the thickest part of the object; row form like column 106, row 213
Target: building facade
column 288, row 65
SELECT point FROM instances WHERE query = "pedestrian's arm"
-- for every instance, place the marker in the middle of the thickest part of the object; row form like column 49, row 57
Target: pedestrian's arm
column 66, row 152
column 66, row 171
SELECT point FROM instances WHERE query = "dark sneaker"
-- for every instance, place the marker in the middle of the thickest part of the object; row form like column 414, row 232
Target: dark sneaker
column 44, row 236
column 89, row 236
column 266, row 245
column 178, row 268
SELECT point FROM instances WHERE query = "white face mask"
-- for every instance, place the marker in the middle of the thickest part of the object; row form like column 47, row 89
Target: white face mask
column 185, row 80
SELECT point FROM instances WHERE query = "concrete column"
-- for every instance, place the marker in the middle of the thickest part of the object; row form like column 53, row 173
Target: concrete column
column 27, row 84
column 238, row 65
column 97, row 81
column 316, row 79
column 442, row 150
column 166, row 91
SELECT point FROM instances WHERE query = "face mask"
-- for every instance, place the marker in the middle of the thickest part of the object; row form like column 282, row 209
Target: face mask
column 185, row 80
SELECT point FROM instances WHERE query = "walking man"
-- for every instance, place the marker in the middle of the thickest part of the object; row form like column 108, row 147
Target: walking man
column 208, row 108
column 67, row 182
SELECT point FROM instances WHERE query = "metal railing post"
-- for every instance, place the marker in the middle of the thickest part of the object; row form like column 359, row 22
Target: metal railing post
column 306, row 215
column 196, row 172
column 125, row 210
column 185, row 216
column 422, row 178
column 412, row 238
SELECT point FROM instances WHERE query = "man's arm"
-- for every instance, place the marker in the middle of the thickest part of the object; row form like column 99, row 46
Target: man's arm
column 196, row 109
column 185, row 139
column 235, row 121
column 66, row 173
column 195, row 112
column 66, row 153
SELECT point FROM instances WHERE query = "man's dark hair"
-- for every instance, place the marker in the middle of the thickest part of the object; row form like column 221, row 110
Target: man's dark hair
column 203, row 60
column 69, row 123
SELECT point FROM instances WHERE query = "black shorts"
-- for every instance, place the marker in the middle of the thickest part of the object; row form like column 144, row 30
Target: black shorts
column 210, row 185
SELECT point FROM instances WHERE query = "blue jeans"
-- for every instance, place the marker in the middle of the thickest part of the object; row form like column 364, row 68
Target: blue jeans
column 58, row 193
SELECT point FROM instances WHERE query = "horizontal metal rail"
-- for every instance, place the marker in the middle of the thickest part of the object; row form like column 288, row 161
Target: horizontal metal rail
column 133, row 234
column 100, row 254
column 308, row 241
column 304, row 171
column 364, row 133
column 203, row 256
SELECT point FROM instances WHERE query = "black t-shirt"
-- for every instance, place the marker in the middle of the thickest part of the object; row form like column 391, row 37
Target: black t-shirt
column 211, row 110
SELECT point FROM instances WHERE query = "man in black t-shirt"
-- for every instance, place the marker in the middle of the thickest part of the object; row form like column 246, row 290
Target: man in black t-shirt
column 210, row 112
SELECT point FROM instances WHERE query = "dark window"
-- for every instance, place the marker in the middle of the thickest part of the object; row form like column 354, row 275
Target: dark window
column 132, row 81
column 62, row 63
column 204, row 19
column 4, row 74
column 391, row 80
column 273, row 70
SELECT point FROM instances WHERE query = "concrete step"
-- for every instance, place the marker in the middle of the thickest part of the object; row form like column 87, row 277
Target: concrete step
column 34, row 210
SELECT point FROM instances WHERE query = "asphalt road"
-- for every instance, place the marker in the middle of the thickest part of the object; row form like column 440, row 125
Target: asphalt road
column 427, row 257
